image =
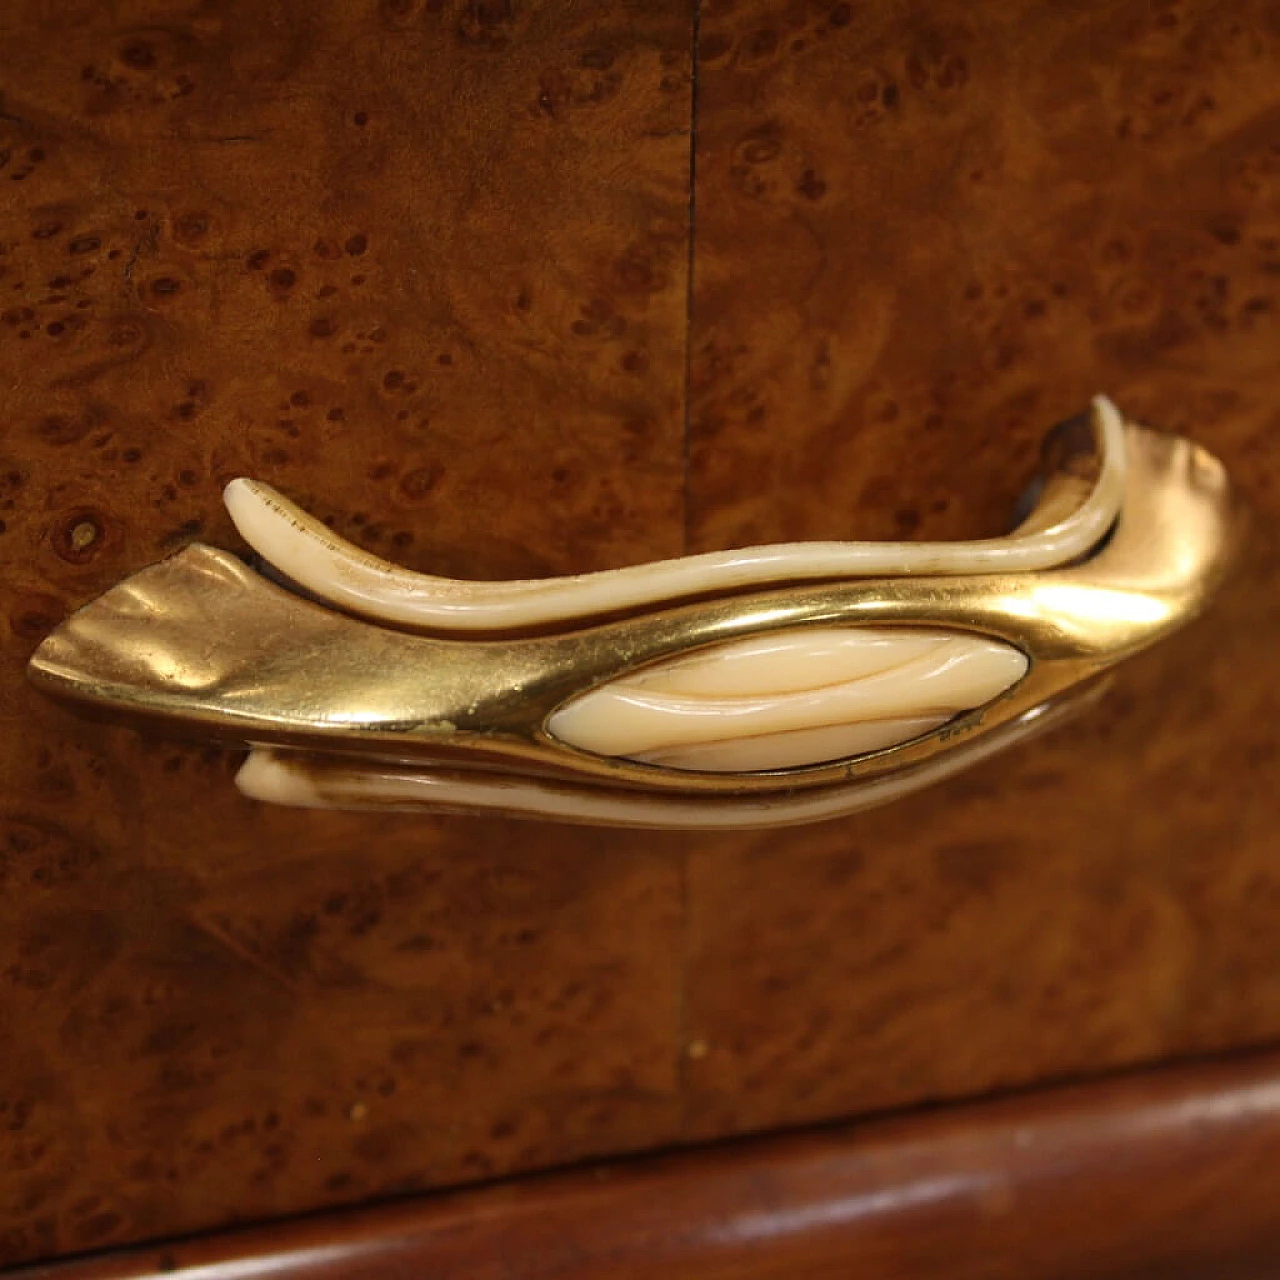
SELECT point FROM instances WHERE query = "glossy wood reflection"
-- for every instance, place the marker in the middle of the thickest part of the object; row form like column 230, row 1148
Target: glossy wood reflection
column 1168, row 1176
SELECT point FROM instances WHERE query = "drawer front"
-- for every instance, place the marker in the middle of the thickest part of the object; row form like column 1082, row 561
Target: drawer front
column 425, row 267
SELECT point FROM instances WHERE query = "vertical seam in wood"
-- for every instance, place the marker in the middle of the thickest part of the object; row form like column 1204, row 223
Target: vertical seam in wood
column 682, row 995
column 683, row 1031
column 689, row 270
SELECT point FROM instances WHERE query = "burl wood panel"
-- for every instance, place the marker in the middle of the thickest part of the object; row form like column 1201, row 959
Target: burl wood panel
column 1167, row 1175
column 422, row 266
column 924, row 232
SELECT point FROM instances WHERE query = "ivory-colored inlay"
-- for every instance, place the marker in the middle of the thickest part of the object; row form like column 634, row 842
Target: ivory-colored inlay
column 310, row 554
column 797, row 748
column 790, row 699
column 317, row 782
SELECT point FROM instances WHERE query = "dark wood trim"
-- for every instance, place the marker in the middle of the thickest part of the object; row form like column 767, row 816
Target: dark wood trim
column 1171, row 1173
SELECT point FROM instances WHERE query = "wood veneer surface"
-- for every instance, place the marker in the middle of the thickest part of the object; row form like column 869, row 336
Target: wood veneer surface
column 923, row 232
column 423, row 266
column 1165, row 1175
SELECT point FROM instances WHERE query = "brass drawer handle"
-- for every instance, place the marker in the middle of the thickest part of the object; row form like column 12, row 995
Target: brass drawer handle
column 758, row 687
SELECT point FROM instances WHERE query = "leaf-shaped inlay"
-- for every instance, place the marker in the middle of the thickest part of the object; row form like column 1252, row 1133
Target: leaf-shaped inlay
column 790, row 699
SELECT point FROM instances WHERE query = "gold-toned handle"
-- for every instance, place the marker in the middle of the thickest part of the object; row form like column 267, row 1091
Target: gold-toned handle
column 749, row 688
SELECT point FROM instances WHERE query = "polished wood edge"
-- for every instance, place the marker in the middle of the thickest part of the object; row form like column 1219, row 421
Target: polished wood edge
column 1169, row 1173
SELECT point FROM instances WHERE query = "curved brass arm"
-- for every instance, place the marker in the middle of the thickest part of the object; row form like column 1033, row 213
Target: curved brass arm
column 744, row 689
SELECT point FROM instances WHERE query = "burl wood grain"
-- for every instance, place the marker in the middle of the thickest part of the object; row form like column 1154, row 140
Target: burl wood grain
column 1165, row 1175
column 422, row 266
column 923, row 233
column 926, row 231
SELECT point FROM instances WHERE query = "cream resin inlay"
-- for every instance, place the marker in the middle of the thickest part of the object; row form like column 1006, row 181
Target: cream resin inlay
column 310, row 554
column 789, row 699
